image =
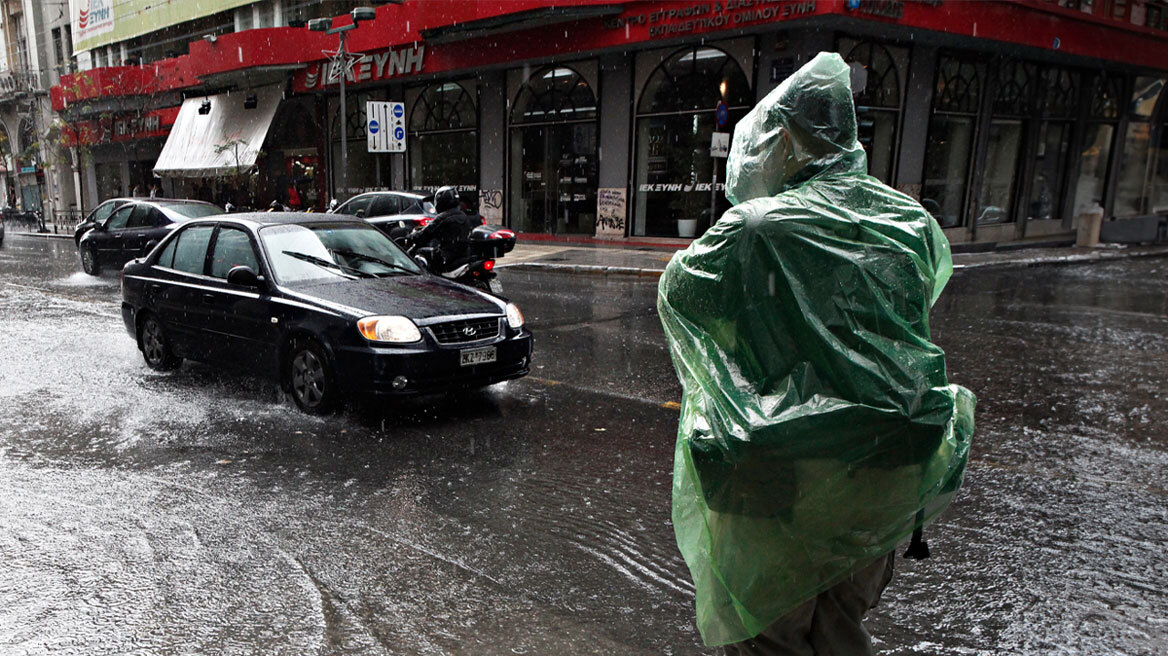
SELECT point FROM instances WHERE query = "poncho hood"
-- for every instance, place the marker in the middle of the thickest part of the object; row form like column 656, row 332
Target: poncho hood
column 803, row 129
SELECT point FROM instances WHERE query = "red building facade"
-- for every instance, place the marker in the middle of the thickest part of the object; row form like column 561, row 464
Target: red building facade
column 1008, row 120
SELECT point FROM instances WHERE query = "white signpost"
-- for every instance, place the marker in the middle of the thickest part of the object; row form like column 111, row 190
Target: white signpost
column 385, row 126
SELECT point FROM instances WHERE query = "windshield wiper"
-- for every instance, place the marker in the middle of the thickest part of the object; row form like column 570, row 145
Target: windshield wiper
column 327, row 264
column 370, row 258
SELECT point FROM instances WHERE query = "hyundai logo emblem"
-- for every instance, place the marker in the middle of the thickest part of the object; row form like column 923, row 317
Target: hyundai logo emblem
column 469, row 331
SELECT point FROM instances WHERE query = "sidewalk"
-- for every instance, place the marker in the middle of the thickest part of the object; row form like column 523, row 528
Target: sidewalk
column 651, row 261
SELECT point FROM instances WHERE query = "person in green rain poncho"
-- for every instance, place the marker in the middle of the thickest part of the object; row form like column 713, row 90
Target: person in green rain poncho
column 818, row 429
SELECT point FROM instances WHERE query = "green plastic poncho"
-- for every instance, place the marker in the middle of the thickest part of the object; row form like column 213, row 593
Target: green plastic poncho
column 817, row 427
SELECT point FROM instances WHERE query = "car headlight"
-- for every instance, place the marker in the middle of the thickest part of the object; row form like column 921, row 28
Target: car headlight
column 514, row 316
column 397, row 330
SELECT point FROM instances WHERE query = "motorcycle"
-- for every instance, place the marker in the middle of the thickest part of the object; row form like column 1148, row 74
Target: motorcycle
column 484, row 245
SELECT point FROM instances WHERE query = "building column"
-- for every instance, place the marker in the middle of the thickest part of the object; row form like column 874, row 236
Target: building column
column 918, row 104
column 616, row 106
column 492, row 145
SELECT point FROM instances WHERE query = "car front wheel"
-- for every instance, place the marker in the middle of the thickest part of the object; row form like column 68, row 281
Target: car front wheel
column 310, row 379
column 89, row 261
column 156, row 347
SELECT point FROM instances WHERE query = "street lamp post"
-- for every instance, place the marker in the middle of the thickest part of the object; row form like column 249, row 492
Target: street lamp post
column 341, row 63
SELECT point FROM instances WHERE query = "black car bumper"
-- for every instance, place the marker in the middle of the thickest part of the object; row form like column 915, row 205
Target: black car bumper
column 366, row 370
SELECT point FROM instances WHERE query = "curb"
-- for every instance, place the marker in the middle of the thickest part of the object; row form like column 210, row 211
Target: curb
column 40, row 234
column 1060, row 260
column 593, row 269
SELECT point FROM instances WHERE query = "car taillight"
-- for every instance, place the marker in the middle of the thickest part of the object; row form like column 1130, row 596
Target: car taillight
column 502, row 234
column 423, row 222
column 488, row 265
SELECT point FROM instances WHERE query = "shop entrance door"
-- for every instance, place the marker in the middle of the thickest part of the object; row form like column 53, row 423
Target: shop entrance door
column 557, row 177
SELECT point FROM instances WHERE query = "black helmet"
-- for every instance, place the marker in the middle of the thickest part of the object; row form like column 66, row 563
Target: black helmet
column 445, row 198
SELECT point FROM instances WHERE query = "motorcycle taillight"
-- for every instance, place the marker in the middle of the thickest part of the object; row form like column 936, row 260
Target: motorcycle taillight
column 488, row 265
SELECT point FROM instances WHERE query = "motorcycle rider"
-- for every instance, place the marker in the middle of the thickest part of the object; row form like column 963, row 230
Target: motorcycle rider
column 448, row 232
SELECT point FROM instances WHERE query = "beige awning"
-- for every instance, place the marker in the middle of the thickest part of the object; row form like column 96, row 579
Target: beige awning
column 225, row 140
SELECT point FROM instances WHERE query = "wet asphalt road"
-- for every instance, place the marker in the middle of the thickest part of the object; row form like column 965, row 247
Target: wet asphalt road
column 199, row 512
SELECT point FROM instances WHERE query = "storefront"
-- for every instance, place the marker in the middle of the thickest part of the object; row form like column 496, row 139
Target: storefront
column 676, row 182
column 444, row 137
column 553, row 155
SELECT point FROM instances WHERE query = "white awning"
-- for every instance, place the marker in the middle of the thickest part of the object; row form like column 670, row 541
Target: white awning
column 224, row 141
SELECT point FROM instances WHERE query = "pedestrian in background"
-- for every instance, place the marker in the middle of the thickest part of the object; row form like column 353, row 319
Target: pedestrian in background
column 817, row 426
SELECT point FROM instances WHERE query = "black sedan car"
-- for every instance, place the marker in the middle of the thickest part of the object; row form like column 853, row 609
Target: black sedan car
column 391, row 209
column 327, row 304
column 98, row 216
column 134, row 228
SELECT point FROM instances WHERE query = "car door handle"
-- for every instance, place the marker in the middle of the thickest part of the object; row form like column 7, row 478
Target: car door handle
column 155, row 287
column 208, row 299
column 140, row 234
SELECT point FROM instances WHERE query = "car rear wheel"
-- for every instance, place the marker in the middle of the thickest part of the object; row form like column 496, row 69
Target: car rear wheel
column 89, row 261
column 310, row 379
column 156, row 347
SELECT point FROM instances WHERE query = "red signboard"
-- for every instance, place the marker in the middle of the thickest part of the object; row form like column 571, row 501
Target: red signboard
column 118, row 129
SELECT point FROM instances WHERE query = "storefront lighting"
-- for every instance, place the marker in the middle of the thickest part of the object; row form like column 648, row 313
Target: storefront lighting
column 251, row 101
column 205, row 108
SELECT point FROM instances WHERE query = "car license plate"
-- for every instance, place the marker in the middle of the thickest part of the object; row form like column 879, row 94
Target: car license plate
column 471, row 357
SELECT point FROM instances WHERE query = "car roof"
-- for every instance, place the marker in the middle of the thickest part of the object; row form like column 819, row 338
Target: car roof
column 261, row 219
column 408, row 194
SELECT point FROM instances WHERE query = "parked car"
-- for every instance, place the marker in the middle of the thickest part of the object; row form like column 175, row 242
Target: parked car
column 391, row 209
column 98, row 216
column 326, row 304
column 134, row 228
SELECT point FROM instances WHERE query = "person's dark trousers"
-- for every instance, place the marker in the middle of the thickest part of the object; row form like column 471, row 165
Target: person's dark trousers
column 831, row 624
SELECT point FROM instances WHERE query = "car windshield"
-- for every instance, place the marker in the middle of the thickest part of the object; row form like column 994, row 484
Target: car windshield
column 332, row 251
column 192, row 210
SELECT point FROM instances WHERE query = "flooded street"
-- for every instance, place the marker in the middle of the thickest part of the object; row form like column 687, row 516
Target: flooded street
column 201, row 512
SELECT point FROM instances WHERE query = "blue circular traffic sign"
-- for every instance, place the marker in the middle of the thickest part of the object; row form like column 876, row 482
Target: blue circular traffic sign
column 398, row 111
column 399, row 133
column 722, row 114
column 374, row 126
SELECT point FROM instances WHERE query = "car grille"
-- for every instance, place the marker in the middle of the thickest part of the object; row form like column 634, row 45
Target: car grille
column 467, row 330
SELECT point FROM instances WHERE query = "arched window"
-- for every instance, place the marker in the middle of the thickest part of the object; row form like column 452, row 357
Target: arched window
column 675, row 193
column 695, row 79
column 554, row 94
column 949, row 147
column 1103, row 96
column 1058, row 107
column 1014, row 101
column 444, row 106
column 1142, row 184
column 554, row 170
column 444, row 140
column 877, row 106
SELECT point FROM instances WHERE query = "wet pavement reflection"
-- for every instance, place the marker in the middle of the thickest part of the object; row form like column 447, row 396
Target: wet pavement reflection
column 200, row 512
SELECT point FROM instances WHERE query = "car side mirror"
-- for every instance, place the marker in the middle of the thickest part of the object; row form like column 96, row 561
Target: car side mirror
column 244, row 276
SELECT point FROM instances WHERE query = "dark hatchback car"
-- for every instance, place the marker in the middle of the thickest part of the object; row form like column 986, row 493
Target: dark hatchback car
column 326, row 304
column 135, row 227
